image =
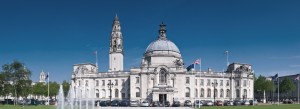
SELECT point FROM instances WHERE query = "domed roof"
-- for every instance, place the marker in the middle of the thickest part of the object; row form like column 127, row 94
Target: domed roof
column 162, row 45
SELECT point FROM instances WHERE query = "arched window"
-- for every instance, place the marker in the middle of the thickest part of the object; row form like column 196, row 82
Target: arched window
column 227, row 93
column 245, row 93
column 196, row 92
column 163, row 76
column 237, row 93
column 116, row 93
column 103, row 93
column 97, row 93
column 221, row 93
column 208, row 92
column 187, row 92
column 138, row 93
column 202, row 92
column 215, row 93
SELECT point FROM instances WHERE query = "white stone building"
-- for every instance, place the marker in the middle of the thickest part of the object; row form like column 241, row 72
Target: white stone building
column 161, row 76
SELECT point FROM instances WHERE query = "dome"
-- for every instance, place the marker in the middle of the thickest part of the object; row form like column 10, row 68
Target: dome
column 162, row 45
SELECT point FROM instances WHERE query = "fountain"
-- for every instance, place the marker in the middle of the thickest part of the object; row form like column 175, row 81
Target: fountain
column 75, row 99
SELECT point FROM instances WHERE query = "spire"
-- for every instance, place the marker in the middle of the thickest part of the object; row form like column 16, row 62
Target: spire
column 162, row 31
column 116, row 17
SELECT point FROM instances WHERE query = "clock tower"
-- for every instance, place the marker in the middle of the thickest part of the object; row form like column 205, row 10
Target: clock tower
column 116, row 47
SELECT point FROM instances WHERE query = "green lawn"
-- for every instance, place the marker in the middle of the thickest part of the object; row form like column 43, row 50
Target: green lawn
column 282, row 106
column 25, row 107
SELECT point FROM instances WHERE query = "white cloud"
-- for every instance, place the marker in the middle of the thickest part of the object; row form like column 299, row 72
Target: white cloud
column 294, row 66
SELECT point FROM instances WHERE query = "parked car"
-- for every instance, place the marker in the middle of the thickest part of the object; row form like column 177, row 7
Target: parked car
column 165, row 104
column 155, row 104
column 145, row 103
column 246, row 102
column 188, row 103
column 219, row 103
column 176, row 104
column 104, row 103
column 237, row 102
column 198, row 103
column 115, row 103
column 134, row 103
column 228, row 103
column 208, row 103
column 288, row 101
column 124, row 103
column 251, row 102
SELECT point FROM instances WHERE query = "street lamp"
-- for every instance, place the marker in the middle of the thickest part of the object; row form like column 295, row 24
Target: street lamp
column 110, row 85
column 214, row 84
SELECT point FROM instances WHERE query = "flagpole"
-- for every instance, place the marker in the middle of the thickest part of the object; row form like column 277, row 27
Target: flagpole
column 48, row 89
column 278, row 87
column 298, row 86
column 97, row 60
column 199, row 82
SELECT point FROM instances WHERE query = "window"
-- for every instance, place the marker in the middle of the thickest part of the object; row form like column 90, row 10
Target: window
column 109, row 81
column 163, row 76
column 97, row 93
column 86, row 83
column 227, row 82
column 97, row 82
column 201, row 82
column 103, row 82
column 195, row 81
column 208, row 92
column 245, row 94
column 187, row 92
column 187, row 80
column 221, row 93
column 103, row 93
column 245, row 83
column 215, row 83
column 137, row 80
column 208, row 82
column 137, row 94
column 79, row 83
column 202, row 93
column 221, row 83
column 116, row 93
column 227, row 93
column 116, row 81
column 196, row 92
column 237, row 93
column 123, row 81
column 237, row 83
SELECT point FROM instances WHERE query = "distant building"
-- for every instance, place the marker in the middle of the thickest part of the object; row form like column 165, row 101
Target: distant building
column 160, row 77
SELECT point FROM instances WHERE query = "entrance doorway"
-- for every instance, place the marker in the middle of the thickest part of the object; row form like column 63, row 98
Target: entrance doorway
column 162, row 98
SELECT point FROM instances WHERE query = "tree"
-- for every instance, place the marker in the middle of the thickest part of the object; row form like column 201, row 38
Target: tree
column 66, row 87
column 286, row 86
column 18, row 75
column 39, row 89
column 262, row 84
column 53, row 89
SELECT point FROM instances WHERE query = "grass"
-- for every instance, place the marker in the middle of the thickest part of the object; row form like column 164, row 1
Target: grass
column 282, row 106
column 26, row 107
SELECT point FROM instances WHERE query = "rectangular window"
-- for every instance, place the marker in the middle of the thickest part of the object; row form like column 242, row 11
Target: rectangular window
column 86, row 83
column 103, row 82
column 208, row 82
column 97, row 82
column 195, row 81
column 221, row 83
column 227, row 82
column 137, row 94
column 215, row 82
column 237, row 83
column 137, row 80
column 202, row 82
column 123, row 95
column 245, row 83
column 116, row 82
column 187, row 94
column 123, row 82
column 187, row 81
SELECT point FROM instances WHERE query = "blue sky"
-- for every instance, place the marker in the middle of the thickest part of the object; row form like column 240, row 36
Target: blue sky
column 52, row 35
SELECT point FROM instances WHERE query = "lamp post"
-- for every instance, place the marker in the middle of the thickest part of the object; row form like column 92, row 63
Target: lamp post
column 214, row 84
column 110, row 85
